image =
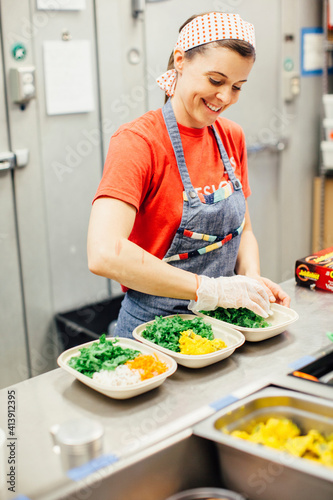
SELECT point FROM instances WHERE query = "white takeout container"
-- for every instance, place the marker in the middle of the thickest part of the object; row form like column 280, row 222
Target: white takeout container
column 229, row 335
column 328, row 105
column 328, row 126
column 120, row 392
column 281, row 318
column 327, row 153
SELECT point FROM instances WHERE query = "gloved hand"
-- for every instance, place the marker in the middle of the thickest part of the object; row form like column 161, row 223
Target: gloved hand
column 234, row 291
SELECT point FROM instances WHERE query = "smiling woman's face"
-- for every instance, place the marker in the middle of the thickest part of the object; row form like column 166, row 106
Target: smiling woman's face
column 208, row 84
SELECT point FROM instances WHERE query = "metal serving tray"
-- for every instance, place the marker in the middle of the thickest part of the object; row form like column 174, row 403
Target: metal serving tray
column 319, row 366
column 262, row 473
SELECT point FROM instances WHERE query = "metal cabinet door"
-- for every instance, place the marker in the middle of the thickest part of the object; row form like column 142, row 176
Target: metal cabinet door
column 70, row 153
column 26, row 281
column 121, row 58
column 13, row 352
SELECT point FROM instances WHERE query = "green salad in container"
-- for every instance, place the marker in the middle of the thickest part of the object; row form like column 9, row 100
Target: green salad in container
column 166, row 332
column 240, row 317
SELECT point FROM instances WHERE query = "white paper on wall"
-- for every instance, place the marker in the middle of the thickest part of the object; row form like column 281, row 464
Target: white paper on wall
column 330, row 19
column 68, row 77
column 313, row 51
column 61, row 4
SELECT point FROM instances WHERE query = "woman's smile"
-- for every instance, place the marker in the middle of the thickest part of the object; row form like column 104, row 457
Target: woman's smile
column 213, row 108
column 208, row 84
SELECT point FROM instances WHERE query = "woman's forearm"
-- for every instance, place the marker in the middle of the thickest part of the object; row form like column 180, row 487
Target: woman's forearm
column 248, row 262
column 112, row 255
column 137, row 269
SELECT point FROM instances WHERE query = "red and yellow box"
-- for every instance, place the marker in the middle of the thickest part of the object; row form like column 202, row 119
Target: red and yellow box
column 316, row 270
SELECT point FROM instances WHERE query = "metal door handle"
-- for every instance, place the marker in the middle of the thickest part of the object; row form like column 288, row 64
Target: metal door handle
column 138, row 8
column 17, row 159
column 5, row 165
column 7, row 160
column 275, row 146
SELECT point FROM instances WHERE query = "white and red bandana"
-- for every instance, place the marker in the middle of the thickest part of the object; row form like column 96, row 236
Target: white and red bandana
column 204, row 29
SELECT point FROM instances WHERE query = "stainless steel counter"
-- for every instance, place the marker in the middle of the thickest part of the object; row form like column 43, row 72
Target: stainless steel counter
column 184, row 399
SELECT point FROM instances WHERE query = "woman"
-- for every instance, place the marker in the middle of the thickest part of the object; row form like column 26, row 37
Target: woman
column 170, row 220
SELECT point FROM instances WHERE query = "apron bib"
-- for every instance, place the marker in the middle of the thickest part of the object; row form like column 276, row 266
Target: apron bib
column 206, row 242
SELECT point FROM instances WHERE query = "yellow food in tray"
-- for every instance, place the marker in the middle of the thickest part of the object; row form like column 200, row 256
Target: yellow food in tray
column 191, row 343
column 282, row 434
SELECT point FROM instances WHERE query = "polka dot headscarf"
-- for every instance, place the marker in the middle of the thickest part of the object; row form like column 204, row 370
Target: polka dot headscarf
column 204, row 29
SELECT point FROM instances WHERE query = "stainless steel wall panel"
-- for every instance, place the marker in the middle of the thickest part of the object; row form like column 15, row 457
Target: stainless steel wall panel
column 300, row 161
column 121, row 49
column 29, row 200
column 71, row 157
column 13, row 351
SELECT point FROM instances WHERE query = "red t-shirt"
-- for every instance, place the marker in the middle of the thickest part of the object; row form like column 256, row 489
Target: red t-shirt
column 141, row 169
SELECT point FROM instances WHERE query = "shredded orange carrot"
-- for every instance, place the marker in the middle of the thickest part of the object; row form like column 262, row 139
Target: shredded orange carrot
column 148, row 365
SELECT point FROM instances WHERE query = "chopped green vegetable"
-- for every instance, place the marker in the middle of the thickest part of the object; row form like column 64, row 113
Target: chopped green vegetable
column 101, row 355
column 166, row 331
column 240, row 317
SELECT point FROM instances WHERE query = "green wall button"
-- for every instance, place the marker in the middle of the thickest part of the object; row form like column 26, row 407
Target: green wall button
column 19, row 51
column 288, row 64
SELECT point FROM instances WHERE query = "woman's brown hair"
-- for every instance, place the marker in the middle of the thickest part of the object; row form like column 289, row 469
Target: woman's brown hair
column 243, row 48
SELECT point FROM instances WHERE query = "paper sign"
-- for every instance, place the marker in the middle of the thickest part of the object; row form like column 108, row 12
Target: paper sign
column 313, row 51
column 61, row 4
column 68, row 77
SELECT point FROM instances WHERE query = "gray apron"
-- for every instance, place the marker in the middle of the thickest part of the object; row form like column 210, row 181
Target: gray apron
column 206, row 241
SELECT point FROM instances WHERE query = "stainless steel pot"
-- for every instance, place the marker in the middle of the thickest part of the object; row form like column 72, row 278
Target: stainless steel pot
column 207, row 494
column 263, row 473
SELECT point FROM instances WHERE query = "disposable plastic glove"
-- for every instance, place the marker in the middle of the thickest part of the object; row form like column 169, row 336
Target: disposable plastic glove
column 234, row 291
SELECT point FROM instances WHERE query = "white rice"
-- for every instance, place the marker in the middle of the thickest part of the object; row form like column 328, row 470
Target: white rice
column 120, row 377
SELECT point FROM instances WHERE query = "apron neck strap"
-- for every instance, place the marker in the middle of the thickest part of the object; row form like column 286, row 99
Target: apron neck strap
column 226, row 162
column 173, row 131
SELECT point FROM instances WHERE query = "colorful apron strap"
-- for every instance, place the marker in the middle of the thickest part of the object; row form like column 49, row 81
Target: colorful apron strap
column 206, row 249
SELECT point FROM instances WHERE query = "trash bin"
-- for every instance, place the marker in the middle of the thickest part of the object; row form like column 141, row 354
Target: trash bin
column 86, row 323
